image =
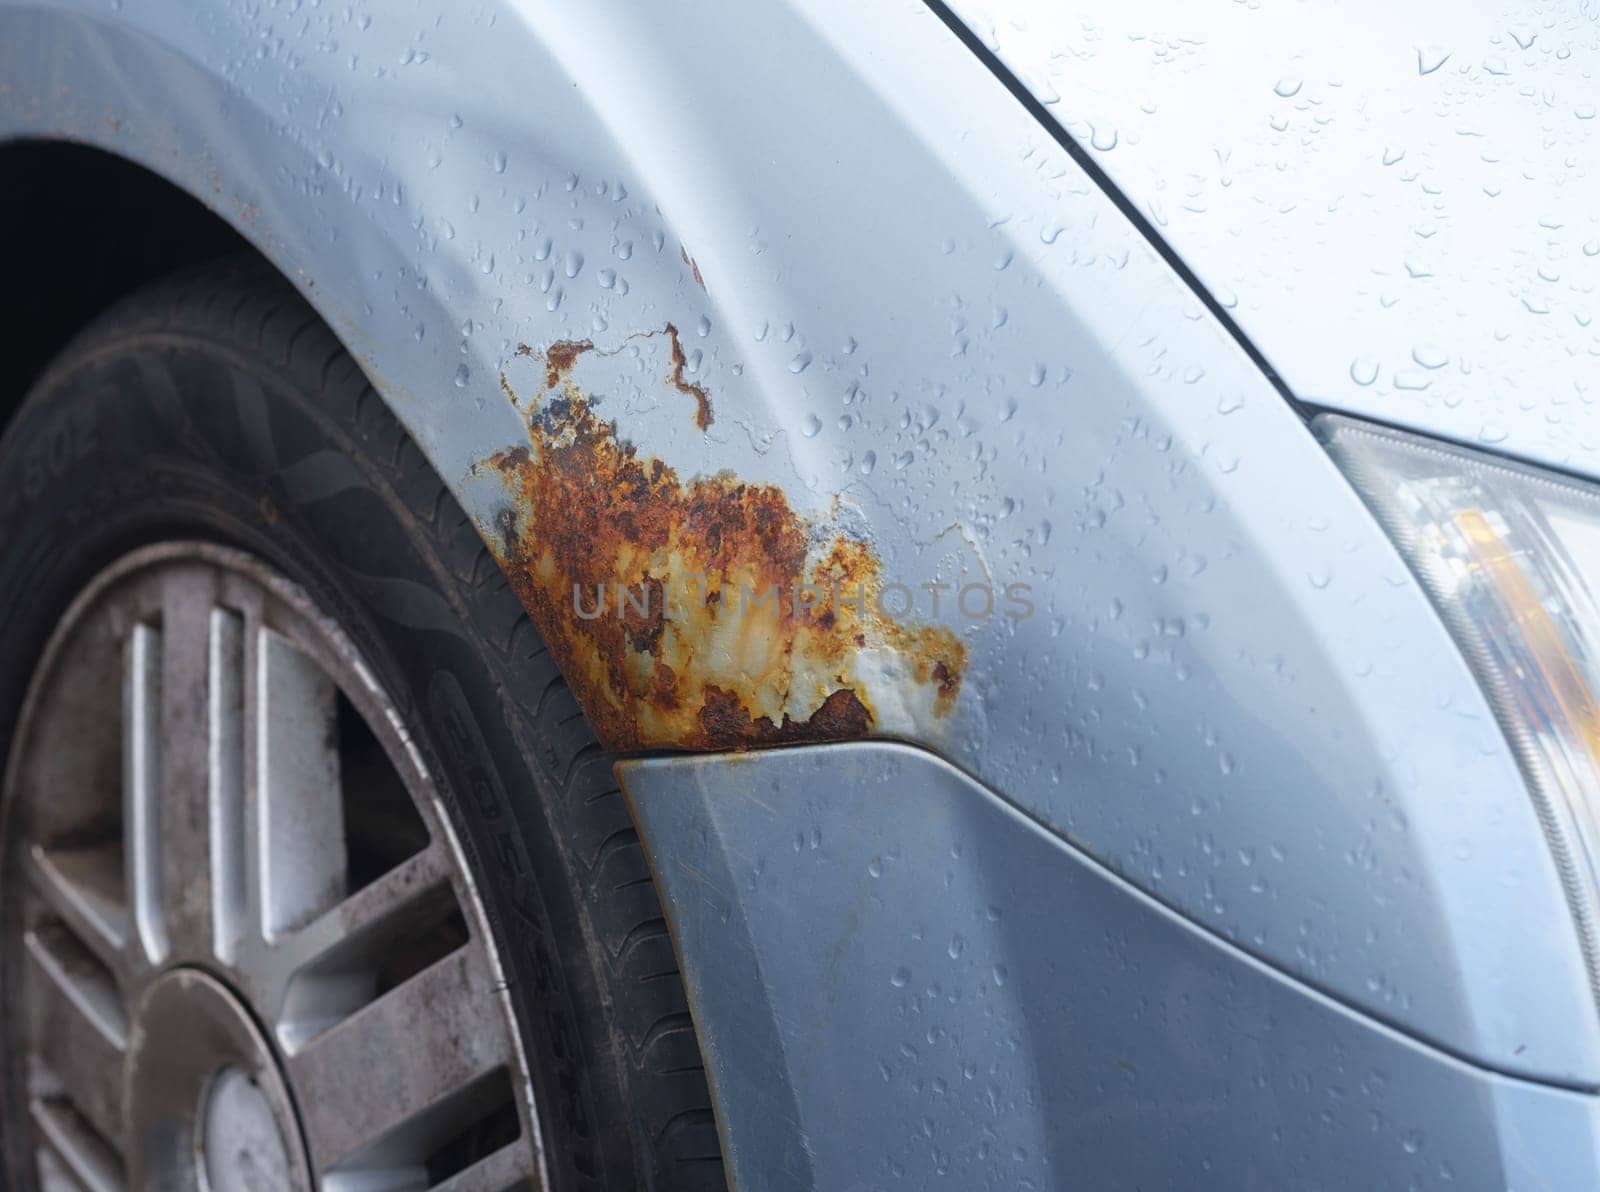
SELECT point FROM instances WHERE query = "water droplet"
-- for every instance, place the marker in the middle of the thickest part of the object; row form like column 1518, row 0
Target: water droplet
column 1103, row 139
column 463, row 375
column 812, row 427
column 1430, row 58
column 1363, row 370
column 1288, row 86
column 800, row 363
column 500, row 161
column 1429, row 356
column 1392, row 154
column 901, row 978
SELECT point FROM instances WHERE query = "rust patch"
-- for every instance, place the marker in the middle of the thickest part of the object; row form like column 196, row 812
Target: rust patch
column 653, row 594
column 702, row 403
column 842, row 717
column 560, row 357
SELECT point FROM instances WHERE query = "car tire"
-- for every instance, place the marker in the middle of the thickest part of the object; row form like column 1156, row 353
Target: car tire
column 216, row 408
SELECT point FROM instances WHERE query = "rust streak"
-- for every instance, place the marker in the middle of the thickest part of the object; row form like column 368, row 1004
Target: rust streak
column 698, row 663
column 702, row 412
column 693, row 268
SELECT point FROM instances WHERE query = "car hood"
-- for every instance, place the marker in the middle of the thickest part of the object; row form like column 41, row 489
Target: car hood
column 1397, row 201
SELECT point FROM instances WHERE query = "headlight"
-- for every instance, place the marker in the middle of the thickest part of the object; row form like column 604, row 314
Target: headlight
column 1511, row 556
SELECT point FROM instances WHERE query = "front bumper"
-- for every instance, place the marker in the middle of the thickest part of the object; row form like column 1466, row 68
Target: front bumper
column 900, row 980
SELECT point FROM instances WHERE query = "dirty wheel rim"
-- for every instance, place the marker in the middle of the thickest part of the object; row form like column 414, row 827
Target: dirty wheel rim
column 245, row 948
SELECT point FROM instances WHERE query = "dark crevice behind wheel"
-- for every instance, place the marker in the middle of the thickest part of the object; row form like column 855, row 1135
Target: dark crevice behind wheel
column 312, row 869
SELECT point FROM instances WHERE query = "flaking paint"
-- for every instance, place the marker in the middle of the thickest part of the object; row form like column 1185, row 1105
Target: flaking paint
column 700, row 668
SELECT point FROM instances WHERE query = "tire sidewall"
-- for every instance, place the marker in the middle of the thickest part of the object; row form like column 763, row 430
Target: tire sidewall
column 143, row 434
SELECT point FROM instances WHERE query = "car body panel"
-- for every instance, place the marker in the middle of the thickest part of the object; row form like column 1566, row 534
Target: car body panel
column 922, row 330
column 964, row 999
column 1394, row 199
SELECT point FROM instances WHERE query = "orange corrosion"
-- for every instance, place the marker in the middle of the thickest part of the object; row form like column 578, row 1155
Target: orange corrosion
column 702, row 402
column 673, row 606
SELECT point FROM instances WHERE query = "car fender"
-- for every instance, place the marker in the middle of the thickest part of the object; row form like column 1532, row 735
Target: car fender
column 814, row 288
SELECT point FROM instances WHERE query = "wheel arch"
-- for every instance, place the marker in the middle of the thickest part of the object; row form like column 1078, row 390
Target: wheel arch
column 71, row 256
column 480, row 249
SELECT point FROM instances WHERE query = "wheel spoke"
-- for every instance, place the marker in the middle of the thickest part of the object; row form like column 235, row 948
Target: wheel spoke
column 433, row 1036
column 79, row 1023
column 344, row 937
column 81, row 887
column 141, row 786
column 188, row 609
column 227, row 713
column 82, row 1156
column 299, row 825
column 367, row 909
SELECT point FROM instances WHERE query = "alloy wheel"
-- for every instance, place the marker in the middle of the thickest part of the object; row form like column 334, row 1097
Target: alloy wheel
column 244, row 947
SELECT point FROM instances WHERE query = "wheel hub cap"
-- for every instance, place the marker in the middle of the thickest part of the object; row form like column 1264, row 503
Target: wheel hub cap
column 240, row 1136
column 205, row 1093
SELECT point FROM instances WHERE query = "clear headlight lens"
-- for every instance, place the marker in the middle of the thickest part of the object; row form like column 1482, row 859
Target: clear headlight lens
column 1511, row 556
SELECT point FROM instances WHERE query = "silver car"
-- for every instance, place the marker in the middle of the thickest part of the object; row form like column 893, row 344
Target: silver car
column 972, row 594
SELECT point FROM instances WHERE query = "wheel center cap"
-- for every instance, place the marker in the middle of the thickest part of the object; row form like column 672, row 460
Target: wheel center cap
column 206, row 1099
column 241, row 1144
